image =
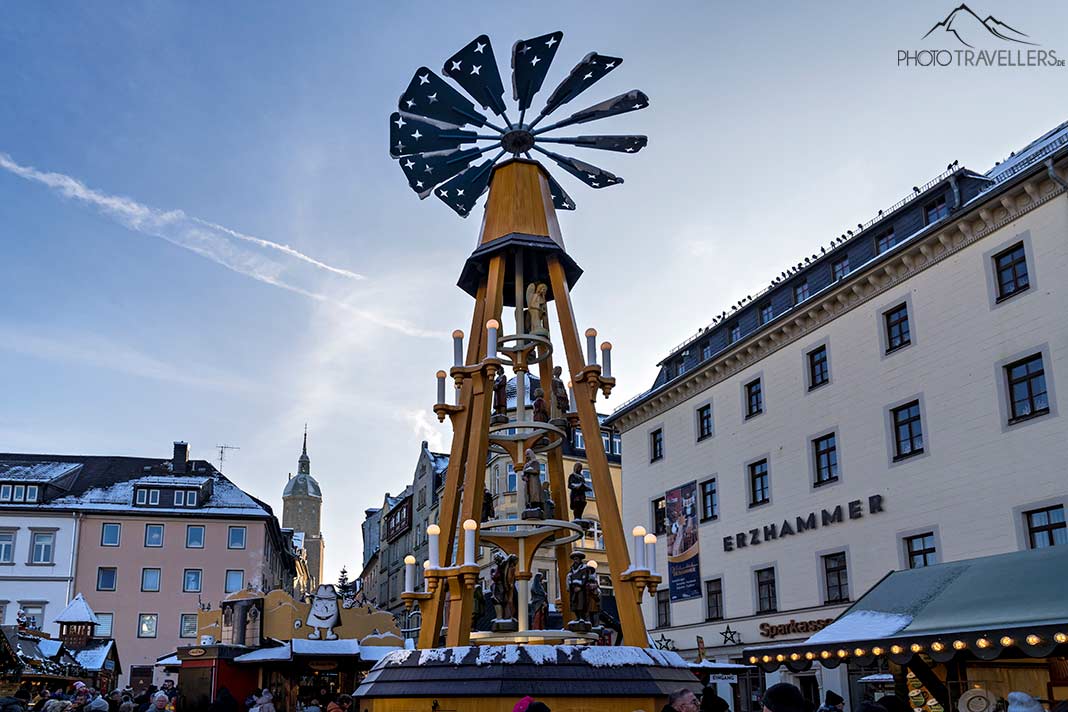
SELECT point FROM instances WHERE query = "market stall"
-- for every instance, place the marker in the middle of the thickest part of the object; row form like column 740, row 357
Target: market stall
column 996, row 624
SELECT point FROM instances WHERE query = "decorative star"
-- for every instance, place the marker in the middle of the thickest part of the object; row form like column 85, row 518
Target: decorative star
column 400, row 146
column 419, row 184
column 428, row 169
column 534, row 62
column 551, row 42
column 433, row 97
column 400, row 122
column 455, row 66
column 459, row 192
column 443, row 193
column 416, row 135
column 588, row 75
column 610, row 65
column 591, row 175
column 409, row 163
column 479, row 46
column 630, row 149
column 475, row 68
column 731, row 637
column 664, row 643
column 524, row 49
column 424, row 79
column 410, row 103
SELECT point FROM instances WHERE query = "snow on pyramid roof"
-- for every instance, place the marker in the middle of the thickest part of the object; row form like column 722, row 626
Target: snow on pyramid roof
column 78, row 611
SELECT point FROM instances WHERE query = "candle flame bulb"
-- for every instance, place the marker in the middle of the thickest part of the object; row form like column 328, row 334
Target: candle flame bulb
column 650, row 538
column 493, row 324
column 470, row 525
column 433, row 530
column 638, row 531
column 591, row 347
column 409, row 559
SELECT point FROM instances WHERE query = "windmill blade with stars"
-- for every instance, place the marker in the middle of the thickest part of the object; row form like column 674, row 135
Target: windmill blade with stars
column 434, row 121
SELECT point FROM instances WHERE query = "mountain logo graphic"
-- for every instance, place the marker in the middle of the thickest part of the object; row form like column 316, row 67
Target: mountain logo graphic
column 970, row 29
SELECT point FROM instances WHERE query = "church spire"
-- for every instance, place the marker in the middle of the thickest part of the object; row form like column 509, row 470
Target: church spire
column 304, row 463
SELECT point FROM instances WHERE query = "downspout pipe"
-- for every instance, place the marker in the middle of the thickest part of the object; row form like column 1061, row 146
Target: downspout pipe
column 1053, row 176
column 75, row 535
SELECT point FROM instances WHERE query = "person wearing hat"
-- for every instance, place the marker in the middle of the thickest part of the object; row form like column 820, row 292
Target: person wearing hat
column 784, row 697
column 832, row 702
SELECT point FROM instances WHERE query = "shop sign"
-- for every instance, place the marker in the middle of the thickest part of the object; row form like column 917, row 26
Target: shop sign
column 323, row 665
column 774, row 630
column 802, row 524
column 721, row 677
column 196, row 652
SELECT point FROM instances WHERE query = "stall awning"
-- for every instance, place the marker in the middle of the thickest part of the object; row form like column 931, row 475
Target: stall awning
column 982, row 606
column 299, row 647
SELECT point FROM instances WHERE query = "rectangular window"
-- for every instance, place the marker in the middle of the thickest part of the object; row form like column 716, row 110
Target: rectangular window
column 194, row 536
column 714, row 599
column 920, row 550
column 800, row 292
column 42, row 547
column 511, row 478
column 187, row 625
column 884, row 242
column 31, row 493
column 104, row 625
column 191, row 498
column 660, row 516
column 617, row 444
column 1010, row 269
column 908, row 430
column 656, row 445
column 146, row 625
column 179, row 498
column 1027, row 388
column 580, row 442
column 754, row 398
column 5, row 493
column 759, row 484
column 704, row 422
column 235, row 580
column 150, row 579
column 897, row 328
column 836, row 577
column 107, row 578
column 142, row 496
column 19, row 493
column 735, row 333
column 706, row 351
column 767, row 313
column 191, row 580
column 767, row 600
column 819, row 371
column 236, row 538
column 154, row 535
column 709, row 500
column 825, row 453
column 663, row 608
column 153, row 496
column 935, row 211
column 1046, row 527
column 7, row 547
column 110, row 533
column 839, row 269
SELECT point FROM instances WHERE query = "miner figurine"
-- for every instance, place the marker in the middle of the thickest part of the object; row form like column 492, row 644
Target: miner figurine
column 500, row 398
column 578, row 593
column 532, row 486
column 539, row 602
column 560, row 399
column 488, row 511
column 576, row 485
column 504, row 591
column 541, row 408
column 593, row 598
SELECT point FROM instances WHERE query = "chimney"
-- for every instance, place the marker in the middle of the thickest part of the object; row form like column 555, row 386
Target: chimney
column 181, row 457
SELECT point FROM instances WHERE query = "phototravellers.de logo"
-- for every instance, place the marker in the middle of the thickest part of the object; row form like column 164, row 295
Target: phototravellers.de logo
column 964, row 39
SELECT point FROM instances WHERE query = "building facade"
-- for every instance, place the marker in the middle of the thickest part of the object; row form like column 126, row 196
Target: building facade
column 152, row 539
column 888, row 404
column 302, row 511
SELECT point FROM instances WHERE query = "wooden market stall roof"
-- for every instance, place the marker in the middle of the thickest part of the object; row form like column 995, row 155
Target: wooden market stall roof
column 981, row 606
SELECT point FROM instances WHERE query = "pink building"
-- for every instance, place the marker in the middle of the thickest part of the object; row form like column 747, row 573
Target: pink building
column 156, row 538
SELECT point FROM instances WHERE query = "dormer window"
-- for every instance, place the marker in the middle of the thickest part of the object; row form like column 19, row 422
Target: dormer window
column 19, row 493
column 191, row 498
column 179, row 498
column 142, row 496
column 153, row 497
column 5, row 493
column 31, row 493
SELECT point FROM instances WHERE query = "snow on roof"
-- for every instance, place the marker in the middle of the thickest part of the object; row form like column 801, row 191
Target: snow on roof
column 49, row 646
column 1029, row 153
column 36, row 471
column 877, row 677
column 594, row 656
column 302, row 646
column 94, row 656
column 174, row 481
column 226, row 498
column 282, row 652
column 78, row 611
column 861, row 625
column 724, row 667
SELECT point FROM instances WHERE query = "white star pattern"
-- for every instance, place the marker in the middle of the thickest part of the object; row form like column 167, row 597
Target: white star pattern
column 592, row 176
column 524, row 49
column 456, row 66
column 424, row 79
column 419, row 184
column 475, row 68
column 443, row 193
column 610, row 65
column 630, row 149
column 428, row 169
column 551, row 42
column 409, row 164
column 410, row 103
column 400, row 122
column 534, row 62
column 433, row 97
column 459, row 193
column 416, row 135
column 400, row 147
column 590, row 74
column 479, row 46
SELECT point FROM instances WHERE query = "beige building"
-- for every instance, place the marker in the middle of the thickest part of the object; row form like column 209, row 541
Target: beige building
column 888, row 404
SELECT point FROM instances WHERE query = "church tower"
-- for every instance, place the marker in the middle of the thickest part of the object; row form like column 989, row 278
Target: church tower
column 302, row 504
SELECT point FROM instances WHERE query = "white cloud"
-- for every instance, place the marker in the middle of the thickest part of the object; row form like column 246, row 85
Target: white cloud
column 426, row 427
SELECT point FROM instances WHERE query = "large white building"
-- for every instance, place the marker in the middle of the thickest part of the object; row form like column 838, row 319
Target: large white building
column 886, row 404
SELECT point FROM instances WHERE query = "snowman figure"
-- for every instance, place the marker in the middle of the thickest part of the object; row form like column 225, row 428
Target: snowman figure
column 324, row 613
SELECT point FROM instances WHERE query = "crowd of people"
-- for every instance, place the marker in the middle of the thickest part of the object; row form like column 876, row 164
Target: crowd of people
column 81, row 697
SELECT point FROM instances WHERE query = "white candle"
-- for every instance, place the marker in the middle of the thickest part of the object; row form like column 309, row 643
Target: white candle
column 491, row 338
column 432, row 534
column 441, row 387
column 591, row 346
column 650, row 552
column 409, row 574
column 457, row 348
column 571, row 396
column 470, row 526
column 606, row 359
column 639, row 547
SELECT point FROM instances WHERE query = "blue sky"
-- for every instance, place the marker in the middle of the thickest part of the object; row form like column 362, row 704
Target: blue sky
column 138, row 307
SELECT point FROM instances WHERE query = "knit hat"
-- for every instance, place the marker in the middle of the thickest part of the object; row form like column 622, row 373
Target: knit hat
column 832, row 698
column 784, row 697
column 523, row 704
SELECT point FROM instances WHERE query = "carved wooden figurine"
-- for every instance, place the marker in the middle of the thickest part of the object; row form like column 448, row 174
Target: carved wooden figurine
column 537, row 313
column 532, row 485
column 488, row 511
column 576, row 484
column 561, row 401
column 504, row 591
column 541, row 408
column 500, row 398
column 539, row 602
column 578, row 592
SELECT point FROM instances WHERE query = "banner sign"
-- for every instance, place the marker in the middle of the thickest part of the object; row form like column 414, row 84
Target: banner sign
column 684, row 573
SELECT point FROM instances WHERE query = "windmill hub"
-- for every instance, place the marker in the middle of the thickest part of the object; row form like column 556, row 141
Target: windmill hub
column 517, row 141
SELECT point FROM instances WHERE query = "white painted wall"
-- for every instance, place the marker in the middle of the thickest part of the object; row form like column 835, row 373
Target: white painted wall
column 22, row 581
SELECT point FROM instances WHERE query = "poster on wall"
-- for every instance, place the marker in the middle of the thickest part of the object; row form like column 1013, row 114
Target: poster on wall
column 684, row 573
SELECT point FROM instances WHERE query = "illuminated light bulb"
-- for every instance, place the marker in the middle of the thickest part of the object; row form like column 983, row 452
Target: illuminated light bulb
column 843, row 653
column 426, row 564
column 409, row 560
column 754, row 659
column 859, row 652
column 470, row 525
column 1061, row 637
column 433, row 530
column 592, row 564
column 638, row 531
column 1006, row 641
column 825, row 654
column 766, row 658
column 780, row 657
column 493, row 324
column 810, row 655
column 1033, row 639
column 939, row 647
column 915, row 647
column 795, row 657
column 983, row 643
column 896, row 649
column 877, row 650
column 958, row 645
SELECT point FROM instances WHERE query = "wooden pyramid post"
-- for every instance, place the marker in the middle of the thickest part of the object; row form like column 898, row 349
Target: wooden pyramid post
column 520, row 233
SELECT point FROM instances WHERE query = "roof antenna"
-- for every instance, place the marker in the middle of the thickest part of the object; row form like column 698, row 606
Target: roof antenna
column 222, row 453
